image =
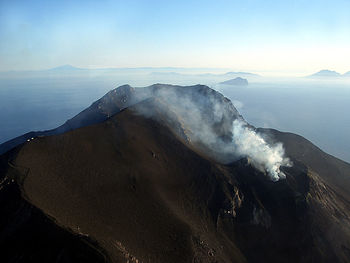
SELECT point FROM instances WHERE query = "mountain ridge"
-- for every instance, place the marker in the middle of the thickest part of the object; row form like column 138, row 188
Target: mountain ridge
column 347, row 74
column 137, row 179
column 325, row 73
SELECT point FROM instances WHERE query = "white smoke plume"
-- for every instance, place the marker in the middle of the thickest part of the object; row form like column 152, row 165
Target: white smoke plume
column 201, row 111
column 248, row 143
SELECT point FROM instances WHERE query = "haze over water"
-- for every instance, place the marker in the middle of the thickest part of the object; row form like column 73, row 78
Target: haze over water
column 317, row 110
column 272, row 38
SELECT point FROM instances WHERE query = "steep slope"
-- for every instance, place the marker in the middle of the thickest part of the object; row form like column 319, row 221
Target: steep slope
column 131, row 184
column 28, row 235
column 333, row 170
column 146, row 186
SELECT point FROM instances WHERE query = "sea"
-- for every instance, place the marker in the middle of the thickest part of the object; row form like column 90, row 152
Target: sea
column 318, row 110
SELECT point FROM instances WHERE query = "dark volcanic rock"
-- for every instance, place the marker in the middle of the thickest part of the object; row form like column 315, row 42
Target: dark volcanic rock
column 28, row 235
column 130, row 185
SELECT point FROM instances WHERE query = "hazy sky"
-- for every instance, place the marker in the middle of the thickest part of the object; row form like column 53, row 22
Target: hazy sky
column 282, row 36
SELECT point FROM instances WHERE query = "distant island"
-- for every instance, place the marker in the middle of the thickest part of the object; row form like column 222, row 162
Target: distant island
column 65, row 68
column 248, row 74
column 236, row 82
column 347, row 74
column 325, row 73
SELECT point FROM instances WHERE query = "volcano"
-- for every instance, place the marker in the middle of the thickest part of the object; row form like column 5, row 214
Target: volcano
column 158, row 174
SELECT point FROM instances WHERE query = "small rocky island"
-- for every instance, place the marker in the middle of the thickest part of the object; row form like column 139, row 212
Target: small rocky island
column 236, row 82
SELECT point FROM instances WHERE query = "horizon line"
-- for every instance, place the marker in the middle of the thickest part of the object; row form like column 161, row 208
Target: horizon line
column 69, row 66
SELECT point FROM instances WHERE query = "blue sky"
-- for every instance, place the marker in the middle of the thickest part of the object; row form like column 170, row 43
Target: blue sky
column 272, row 36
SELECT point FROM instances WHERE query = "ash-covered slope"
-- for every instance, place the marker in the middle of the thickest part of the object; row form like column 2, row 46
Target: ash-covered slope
column 150, row 184
column 333, row 170
column 133, row 186
column 29, row 235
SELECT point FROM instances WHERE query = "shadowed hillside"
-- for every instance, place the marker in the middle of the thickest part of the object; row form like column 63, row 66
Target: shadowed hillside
column 145, row 185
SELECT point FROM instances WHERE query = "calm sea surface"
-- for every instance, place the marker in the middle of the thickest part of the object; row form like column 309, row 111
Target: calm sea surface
column 319, row 112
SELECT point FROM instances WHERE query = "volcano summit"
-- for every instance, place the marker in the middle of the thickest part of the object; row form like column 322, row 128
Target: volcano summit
column 170, row 174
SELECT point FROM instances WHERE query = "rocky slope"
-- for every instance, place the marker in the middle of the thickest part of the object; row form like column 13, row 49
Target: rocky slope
column 140, row 185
